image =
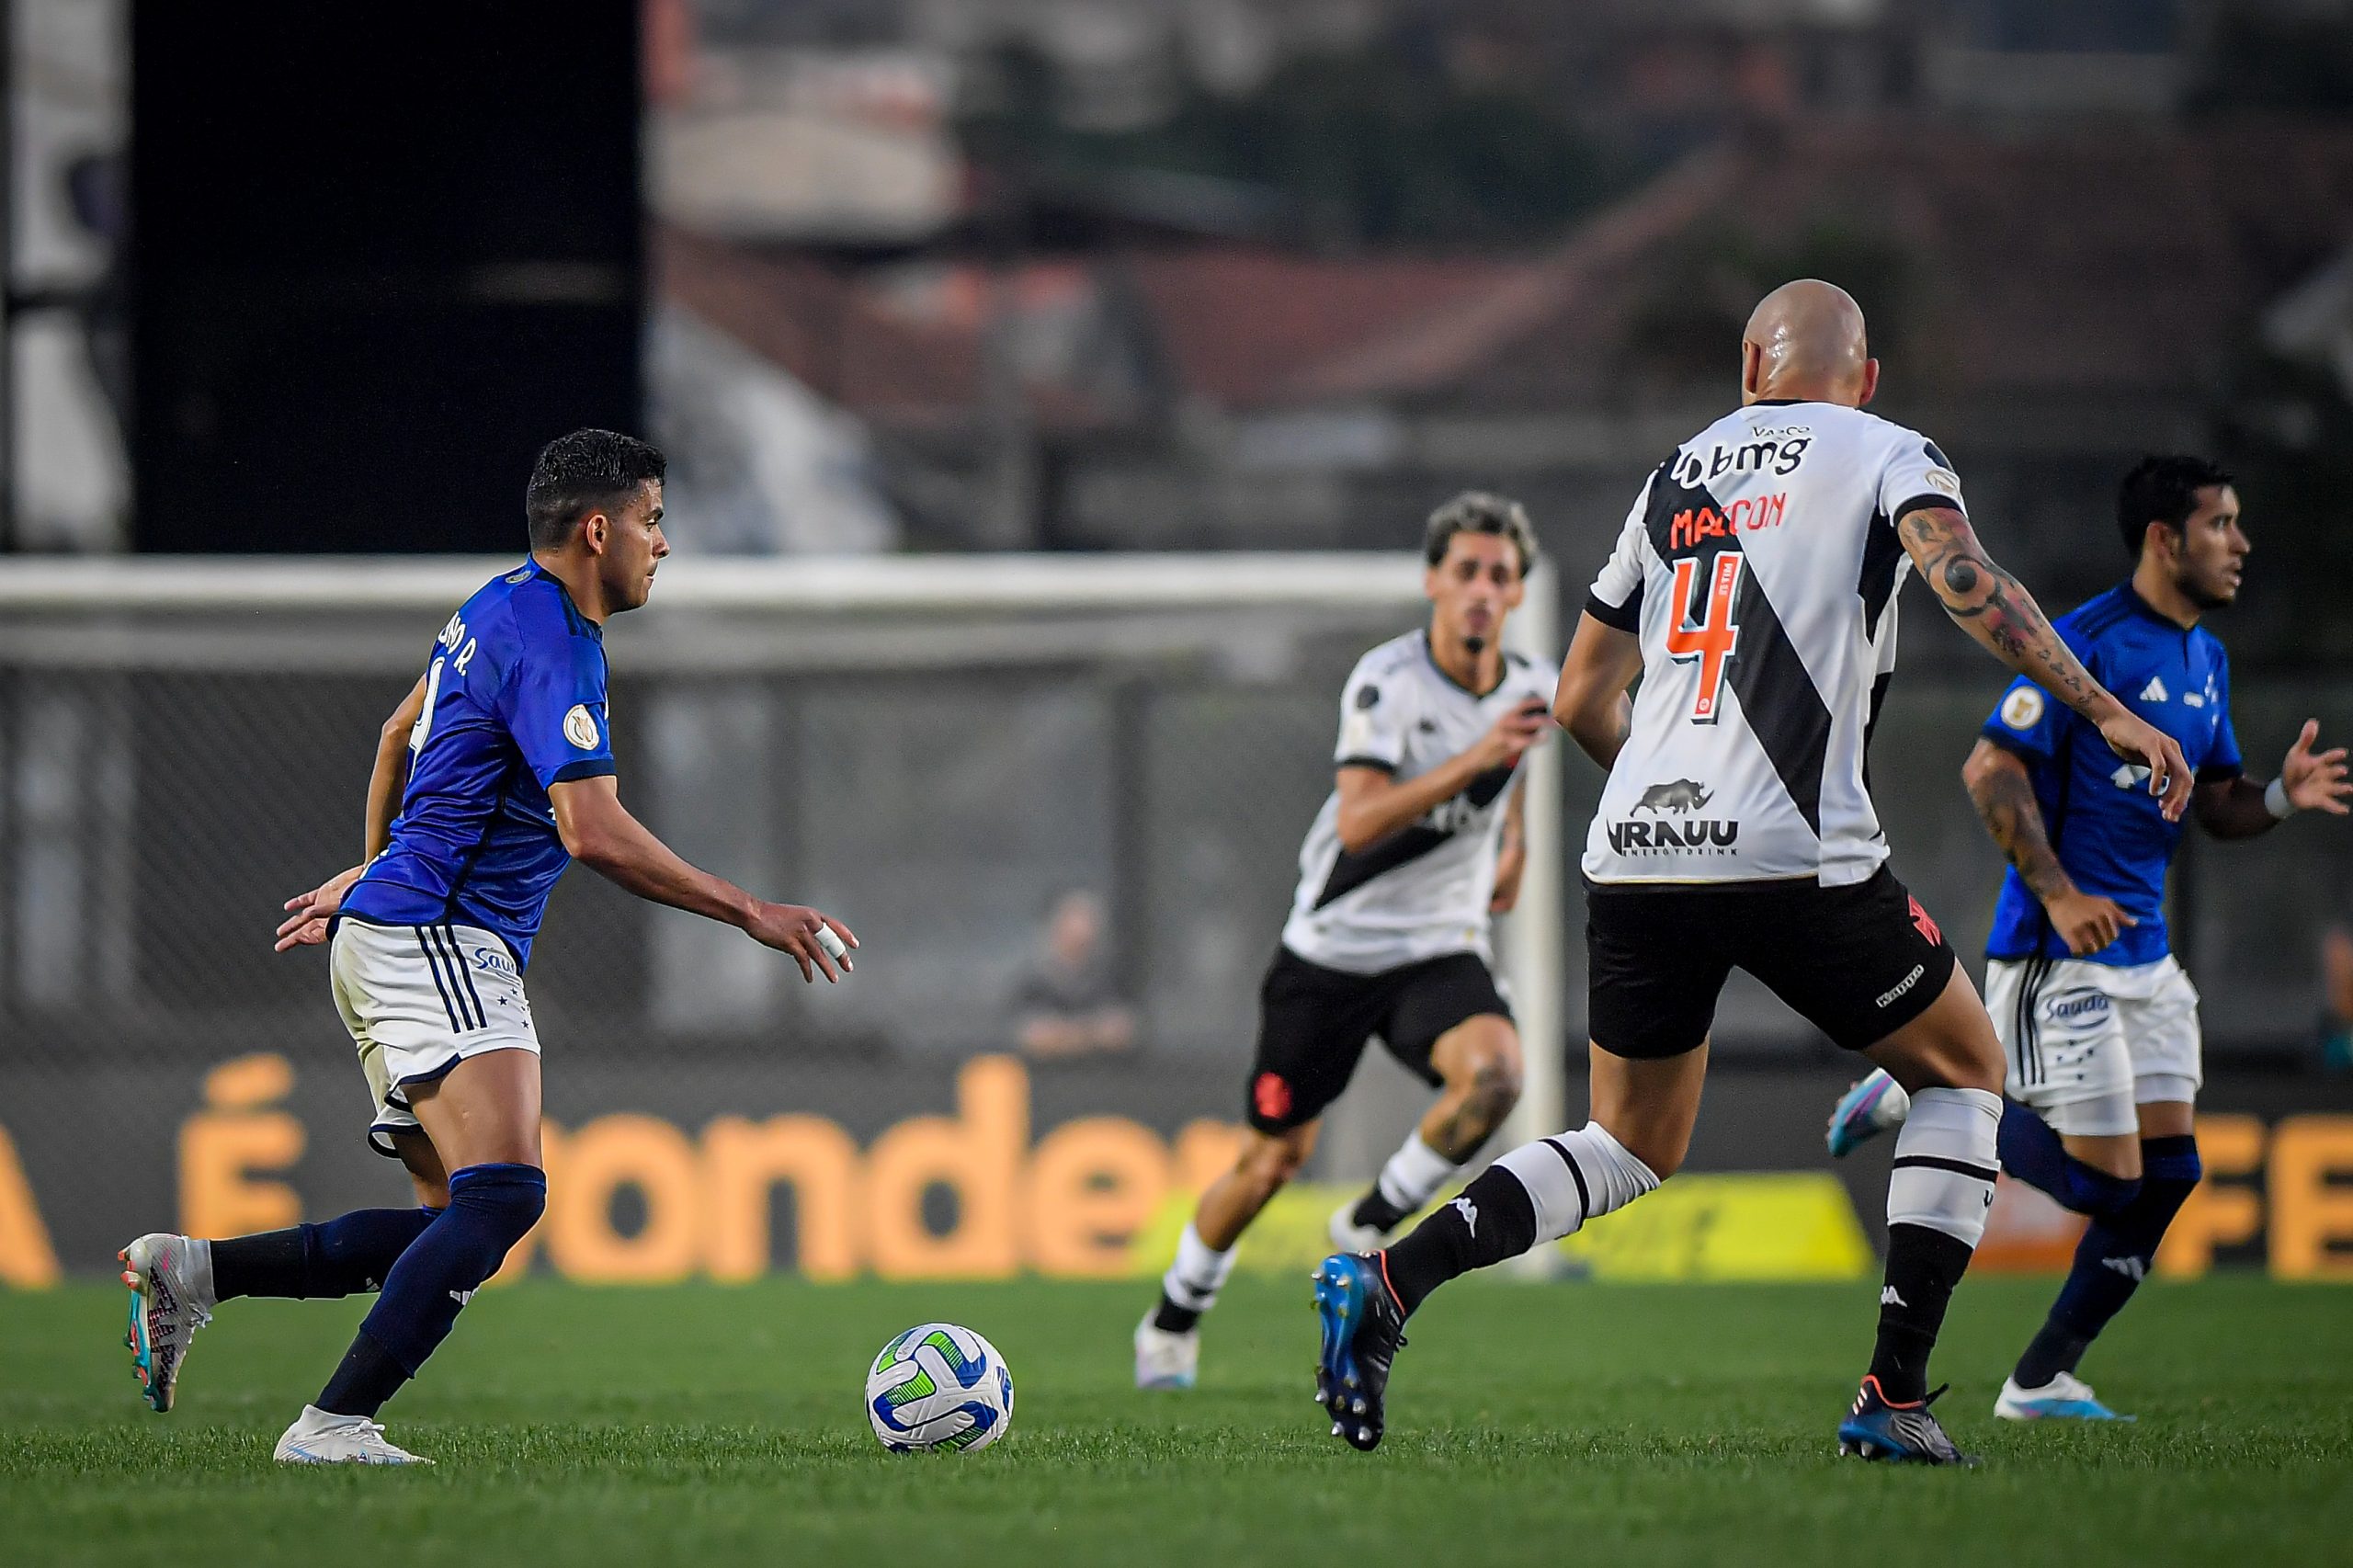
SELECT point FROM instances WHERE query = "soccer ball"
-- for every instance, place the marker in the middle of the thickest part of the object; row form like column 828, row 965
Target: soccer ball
column 939, row 1386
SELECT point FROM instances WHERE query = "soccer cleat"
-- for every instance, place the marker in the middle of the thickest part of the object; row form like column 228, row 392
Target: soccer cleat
column 1349, row 1237
column 1363, row 1331
column 1877, row 1428
column 1165, row 1361
column 317, row 1437
column 171, row 1296
column 1866, row 1110
column 2065, row 1397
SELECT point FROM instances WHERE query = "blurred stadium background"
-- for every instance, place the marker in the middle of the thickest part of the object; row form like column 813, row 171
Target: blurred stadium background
column 1233, row 287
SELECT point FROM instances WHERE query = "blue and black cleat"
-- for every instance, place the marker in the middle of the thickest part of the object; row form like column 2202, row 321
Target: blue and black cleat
column 1363, row 1330
column 1878, row 1428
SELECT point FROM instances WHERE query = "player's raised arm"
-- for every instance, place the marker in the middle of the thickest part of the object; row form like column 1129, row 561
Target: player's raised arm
column 1373, row 805
column 599, row 833
column 1995, row 607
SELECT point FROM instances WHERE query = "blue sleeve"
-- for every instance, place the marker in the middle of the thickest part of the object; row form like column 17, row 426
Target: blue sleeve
column 2222, row 760
column 2026, row 722
column 553, row 704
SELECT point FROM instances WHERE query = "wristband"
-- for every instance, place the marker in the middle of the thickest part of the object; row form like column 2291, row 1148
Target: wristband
column 2275, row 800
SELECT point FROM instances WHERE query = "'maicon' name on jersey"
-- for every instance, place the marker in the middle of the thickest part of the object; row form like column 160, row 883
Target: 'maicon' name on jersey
column 1750, row 511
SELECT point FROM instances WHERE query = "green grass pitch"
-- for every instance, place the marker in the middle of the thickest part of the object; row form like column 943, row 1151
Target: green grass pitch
column 1554, row 1423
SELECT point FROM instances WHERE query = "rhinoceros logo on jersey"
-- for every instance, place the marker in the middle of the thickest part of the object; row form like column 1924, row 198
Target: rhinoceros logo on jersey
column 1685, row 795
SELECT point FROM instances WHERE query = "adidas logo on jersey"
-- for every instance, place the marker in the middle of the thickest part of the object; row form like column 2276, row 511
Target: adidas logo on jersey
column 2154, row 692
column 2129, row 775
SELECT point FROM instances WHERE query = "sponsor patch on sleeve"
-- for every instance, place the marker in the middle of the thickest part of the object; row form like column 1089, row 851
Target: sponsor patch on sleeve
column 580, row 727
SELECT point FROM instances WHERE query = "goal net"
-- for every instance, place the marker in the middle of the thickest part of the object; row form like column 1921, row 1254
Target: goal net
column 942, row 751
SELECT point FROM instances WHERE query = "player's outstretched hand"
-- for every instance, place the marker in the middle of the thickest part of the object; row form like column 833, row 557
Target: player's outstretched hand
column 306, row 927
column 2085, row 921
column 2316, row 781
column 802, row 932
column 2136, row 740
column 1508, row 738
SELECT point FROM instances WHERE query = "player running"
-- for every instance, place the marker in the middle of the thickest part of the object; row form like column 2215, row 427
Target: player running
column 509, row 777
column 1753, row 590
column 2098, row 1021
column 1419, row 844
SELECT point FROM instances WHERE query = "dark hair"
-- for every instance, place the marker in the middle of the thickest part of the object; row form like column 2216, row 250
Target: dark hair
column 2162, row 490
column 583, row 472
column 1476, row 512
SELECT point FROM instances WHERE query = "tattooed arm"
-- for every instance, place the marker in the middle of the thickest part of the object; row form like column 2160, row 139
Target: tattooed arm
column 2003, row 793
column 1993, row 607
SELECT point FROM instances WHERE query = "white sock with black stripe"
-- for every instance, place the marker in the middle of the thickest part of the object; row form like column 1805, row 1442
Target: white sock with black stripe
column 1946, row 1163
column 1575, row 1177
column 1537, row 1193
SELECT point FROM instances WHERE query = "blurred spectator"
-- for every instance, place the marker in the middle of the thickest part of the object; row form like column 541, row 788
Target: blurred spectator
column 2337, row 1019
column 1065, row 1003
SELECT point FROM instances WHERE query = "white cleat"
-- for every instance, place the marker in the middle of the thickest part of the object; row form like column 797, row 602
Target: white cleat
column 317, row 1437
column 1349, row 1237
column 2065, row 1397
column 171, row 1296
column 1165, row 1361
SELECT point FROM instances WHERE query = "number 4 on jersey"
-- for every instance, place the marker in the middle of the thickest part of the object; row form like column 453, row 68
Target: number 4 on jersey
column 1712, row 639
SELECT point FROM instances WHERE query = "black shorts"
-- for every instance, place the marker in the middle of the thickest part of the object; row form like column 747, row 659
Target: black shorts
column 1313, row 1023
column 1859, row 962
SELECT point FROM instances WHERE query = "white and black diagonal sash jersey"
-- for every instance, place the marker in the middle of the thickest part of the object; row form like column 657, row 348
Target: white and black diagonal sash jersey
column 1422, row 891
column 1759, row 568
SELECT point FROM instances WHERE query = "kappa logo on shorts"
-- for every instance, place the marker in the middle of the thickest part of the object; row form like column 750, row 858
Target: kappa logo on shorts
column 1469, row 1213
column 1927, row 927
column 1271, row 1095
column 1903, row 985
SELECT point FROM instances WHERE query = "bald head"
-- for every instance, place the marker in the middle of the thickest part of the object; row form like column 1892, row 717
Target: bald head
column 1806, row 341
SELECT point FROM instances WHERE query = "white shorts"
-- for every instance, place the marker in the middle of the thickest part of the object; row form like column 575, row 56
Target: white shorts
column 2089, row 1042
column 420, row 999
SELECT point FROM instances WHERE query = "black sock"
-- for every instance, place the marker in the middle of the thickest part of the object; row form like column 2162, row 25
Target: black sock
column 1174, row 1319
column 2118, row 1250
column 2054, row 1349
column 1374, row 1209
column 347, row 1255
column 1923, row 1267
column 1494, row 1218
column 267, row 1265
column 368, row 1377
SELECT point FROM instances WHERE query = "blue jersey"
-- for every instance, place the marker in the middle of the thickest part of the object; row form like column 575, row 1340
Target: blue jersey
column 2104, row 823
column 513, row 703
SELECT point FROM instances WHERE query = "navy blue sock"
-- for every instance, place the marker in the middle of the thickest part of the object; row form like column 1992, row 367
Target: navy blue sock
column 2032, row 1152
column 343, row 1256
column 2112, row 1259
column 491, row 1207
